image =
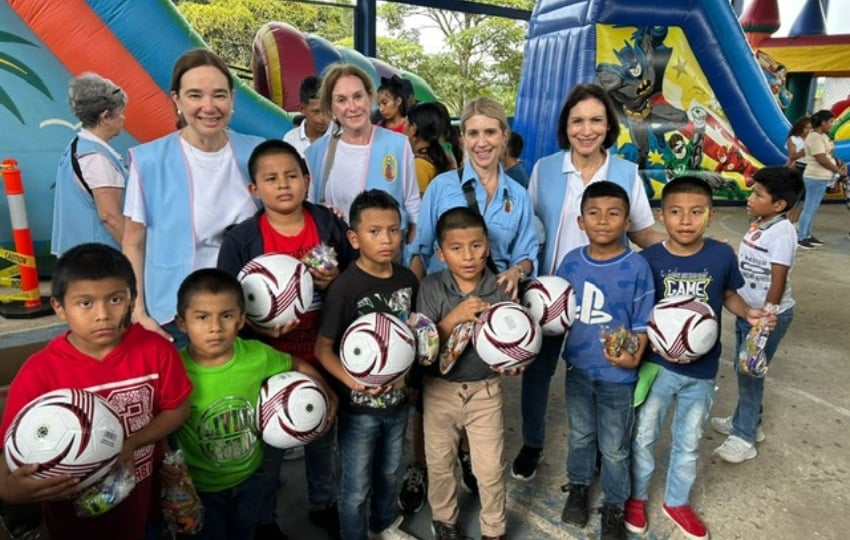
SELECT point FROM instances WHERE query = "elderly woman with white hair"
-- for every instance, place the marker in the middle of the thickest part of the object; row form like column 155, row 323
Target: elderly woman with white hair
column 91, row 175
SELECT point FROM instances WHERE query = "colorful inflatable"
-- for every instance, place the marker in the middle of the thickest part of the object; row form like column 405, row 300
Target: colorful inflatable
column 282, row 56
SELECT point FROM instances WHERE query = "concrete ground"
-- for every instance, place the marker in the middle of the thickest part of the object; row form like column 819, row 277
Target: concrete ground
column 797, row 488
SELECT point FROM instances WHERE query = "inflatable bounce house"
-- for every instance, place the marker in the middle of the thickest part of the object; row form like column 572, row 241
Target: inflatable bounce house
column 690, row 92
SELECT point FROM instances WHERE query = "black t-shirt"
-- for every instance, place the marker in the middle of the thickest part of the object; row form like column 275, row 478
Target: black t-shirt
column 355, row 293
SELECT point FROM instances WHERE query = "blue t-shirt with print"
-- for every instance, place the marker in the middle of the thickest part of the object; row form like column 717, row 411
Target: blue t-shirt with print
column 707, row 275
column 611, row 293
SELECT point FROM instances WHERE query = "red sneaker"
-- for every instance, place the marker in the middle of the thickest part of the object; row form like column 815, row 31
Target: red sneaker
column 688, row 522
column 635, row 515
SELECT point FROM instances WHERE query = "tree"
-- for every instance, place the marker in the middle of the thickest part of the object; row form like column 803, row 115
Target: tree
column 482, row 54
column 229, row 26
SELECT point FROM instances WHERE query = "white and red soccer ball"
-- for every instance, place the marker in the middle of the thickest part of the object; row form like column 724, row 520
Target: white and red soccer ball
column 277, row 288
column 682, row 327
column 551, row 300
column 292, row 410
column 507, row 337
column 66, row 432
column 377, row 349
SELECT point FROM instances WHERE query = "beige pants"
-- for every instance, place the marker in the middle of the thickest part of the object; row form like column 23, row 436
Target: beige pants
column 450, row 409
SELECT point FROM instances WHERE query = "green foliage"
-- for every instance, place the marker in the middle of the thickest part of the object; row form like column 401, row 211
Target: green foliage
column 229, row 26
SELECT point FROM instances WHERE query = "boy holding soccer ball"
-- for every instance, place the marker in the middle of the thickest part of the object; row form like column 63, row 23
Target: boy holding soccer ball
column 290, row 225
column 137, row 371
column 469, row 397
column 372, row 421
column 766, row 254
column 614, row 295
column 222, row 451
column 685, row 264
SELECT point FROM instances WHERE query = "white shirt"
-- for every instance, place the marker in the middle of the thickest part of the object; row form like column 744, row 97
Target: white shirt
column 775, row 242
column 219, row 199
column 569, row 236
column 98, row 170
column 298, row 138
column 345, row 179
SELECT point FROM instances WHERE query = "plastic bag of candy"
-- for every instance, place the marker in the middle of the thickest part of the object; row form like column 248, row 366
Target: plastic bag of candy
column 322, row 256
column 751, row 358
column 617, row 340
column 427, row 338
column 455, row 345
column 181, row 506
column 107, row 493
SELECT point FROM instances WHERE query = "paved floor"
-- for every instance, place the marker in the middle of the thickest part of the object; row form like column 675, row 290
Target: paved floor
column 797, row 488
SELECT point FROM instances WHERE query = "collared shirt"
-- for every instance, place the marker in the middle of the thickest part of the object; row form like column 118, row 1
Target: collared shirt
column 298, row 138
column 509, row 218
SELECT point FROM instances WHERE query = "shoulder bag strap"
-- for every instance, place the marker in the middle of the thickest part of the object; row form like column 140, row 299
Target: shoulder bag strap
column 471, row 202
column 75, row 164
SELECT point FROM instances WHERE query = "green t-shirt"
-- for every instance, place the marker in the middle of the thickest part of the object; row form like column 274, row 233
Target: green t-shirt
column 219, row 440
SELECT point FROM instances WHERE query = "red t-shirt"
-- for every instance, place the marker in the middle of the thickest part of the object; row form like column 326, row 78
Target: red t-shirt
column 300, row 341
column 142, row 376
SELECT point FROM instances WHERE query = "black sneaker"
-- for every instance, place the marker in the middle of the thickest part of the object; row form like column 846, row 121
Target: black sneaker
column 575, row 511
column 613, row 524
column 467, row 480
column 815, row 241
column 525, row 464
column 269, row 531
column 414, row 487
column 446, row 531
column 806, row 243
column 326, row 519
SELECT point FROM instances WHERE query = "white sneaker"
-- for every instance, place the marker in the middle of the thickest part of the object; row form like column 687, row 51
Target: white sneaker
column 723, row 425
column 393, row 532
column 735, row 450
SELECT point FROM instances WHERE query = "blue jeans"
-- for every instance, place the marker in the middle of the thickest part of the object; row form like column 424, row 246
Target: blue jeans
column 319, row 467
column 747, row 417
column 535, row 391
column 600, row 414
column 815, row 190
column 370, row 452
column 693, row 399
column 231, row 514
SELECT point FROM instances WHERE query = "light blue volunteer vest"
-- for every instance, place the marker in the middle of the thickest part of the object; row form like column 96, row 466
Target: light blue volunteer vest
column 387, row 168
column 552, row 188
column 75, row 218
column 170, row 241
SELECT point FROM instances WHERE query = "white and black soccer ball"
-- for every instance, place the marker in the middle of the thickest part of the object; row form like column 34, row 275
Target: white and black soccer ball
column 277, row 288
column 377, row 349
column 507, row 337
column 66, row 432
column 682, row 327
column 551, row 300
column 292, row 410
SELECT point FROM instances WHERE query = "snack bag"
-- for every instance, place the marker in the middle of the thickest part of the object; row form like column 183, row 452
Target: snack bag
column 751, row 358
column 455, row 345
column 107, row 493
column 617, row 340
column 322, row 256
column 181, row 506
column 427, row 338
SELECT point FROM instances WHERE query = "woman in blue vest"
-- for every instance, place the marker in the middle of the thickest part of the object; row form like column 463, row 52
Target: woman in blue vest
column 356, row 155
column 185, row 189
column 587, row 129
column 91, row 175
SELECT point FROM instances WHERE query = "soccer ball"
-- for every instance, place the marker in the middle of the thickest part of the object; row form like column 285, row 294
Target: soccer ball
column 682, row 327
column 277, row 289
column 377, row 349
column 66, row 432
column 507, row 337
column 292, row 410
column 551, row 300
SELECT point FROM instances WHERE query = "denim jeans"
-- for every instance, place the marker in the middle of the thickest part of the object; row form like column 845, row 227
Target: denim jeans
column 535, row 391
column 319, row 467
column 232, row 513
column 693, row 399
column 370, row 453
column 747, row 417
column 815, row 190
column 600, row 414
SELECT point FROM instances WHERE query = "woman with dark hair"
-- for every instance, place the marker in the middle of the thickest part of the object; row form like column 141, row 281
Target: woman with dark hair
column 392, row 104
column 91, row 175
column 822, row 167
column 185, row 189
column 796, row 146
column 427, row 124
column 587, row 128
